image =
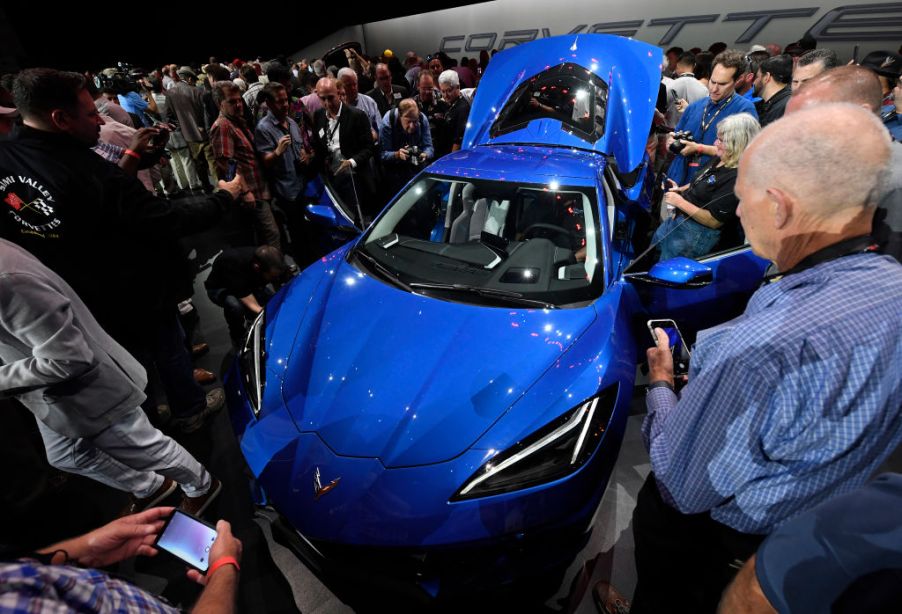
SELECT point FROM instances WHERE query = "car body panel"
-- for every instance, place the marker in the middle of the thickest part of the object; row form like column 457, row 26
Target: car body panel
column 388, row 374
column 631, row 69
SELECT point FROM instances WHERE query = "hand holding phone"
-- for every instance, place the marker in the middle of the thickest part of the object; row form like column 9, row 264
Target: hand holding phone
column 670, row 356
column 187, row 538
column 226, row 545
column 231, row 169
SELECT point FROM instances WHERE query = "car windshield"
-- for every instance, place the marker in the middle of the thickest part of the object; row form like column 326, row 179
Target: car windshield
column 489, row 242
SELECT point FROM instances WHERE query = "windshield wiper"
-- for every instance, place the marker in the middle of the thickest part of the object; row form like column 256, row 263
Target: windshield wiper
column 514, row 297
column 384, row 271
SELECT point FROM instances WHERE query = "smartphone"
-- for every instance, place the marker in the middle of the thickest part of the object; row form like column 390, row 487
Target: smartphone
column 232, row 169
column 678, row 347
column 187, row 538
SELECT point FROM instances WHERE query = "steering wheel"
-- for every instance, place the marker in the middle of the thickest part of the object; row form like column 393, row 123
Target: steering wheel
column 546, row 229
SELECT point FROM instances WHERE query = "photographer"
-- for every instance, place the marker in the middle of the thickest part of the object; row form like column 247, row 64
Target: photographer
column 702, row 117
column 406, row 143
column 61, row 577
column 704, row 210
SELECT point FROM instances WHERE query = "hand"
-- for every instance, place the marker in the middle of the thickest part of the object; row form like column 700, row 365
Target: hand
column 681, row 104
column 660, row 359
column 403, row 155
column 141, row 139
column 121, row 539
column 689, row 148
column 305, row 156
column 225, row 545
column 344, row 167
column 235, row 187
column 283, row 144
column 673, row 199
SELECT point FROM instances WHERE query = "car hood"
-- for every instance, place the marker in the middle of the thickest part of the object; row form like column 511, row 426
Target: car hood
column 632, row 70
column 381, row 373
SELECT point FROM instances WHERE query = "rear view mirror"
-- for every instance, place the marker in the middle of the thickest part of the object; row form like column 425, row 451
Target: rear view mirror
column 323, row 215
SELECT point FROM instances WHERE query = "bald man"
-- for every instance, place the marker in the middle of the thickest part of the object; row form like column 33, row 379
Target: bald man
column 799, row 398
column 344, row 144
column 858, row 85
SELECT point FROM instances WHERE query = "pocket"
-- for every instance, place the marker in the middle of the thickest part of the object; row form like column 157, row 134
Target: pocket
column 94, row 393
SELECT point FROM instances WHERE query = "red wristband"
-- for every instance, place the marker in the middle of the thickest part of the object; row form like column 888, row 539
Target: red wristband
column 131, row 152
column 224, row 560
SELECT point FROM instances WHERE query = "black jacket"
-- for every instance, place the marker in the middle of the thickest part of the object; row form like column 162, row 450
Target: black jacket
column 96, row 226
column 354, row 136
column 773, row 109
column 385, row 104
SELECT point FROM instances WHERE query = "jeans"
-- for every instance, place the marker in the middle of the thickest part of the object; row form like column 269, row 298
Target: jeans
column 131, row 455
column 173, row 361
column 682, row 236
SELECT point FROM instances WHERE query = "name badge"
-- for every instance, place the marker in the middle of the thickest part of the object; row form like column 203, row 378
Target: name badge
column 397, row 95
column 322, row 133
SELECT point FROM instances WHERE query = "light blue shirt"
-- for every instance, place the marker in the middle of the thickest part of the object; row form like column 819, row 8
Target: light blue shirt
column 133, row 103
column 369, row 106
column 797, row 400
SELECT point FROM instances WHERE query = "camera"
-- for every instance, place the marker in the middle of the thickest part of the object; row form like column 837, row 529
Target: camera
column 679, row 141
column 413, row 153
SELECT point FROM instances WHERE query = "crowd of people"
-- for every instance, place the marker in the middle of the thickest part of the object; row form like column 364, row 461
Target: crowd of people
column 103, row 174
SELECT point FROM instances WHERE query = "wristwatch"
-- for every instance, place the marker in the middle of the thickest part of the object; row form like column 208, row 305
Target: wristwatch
column 659, row 384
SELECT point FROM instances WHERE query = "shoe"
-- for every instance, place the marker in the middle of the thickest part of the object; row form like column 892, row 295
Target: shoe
column 608, row 600
column 137, row 504
column 198, row 505
column 215, row 402
column 203, row 377
column 199, row 349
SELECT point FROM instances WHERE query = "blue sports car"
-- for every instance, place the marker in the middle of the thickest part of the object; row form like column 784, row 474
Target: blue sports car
column 442, row 399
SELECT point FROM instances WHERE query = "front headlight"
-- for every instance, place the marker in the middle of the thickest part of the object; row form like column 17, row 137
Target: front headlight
column 554, row 451
column 253, row 362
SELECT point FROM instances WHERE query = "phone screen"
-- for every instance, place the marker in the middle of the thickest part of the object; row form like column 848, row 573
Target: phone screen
column 231, row 170
column 188, row 538
column 677, row 346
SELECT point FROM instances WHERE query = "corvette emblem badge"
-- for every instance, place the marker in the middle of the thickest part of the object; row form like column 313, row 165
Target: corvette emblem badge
column 318, row 489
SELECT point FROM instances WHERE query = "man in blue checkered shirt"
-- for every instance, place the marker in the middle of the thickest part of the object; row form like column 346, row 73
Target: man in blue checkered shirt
column 797, row 400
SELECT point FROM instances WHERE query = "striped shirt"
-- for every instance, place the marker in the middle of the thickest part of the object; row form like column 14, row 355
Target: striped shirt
column 797, row 400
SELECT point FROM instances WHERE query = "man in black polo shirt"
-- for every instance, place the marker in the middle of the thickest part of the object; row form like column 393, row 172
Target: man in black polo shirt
column 772, row 85
column 429, row 99
column 458, row 107
column 238, row 281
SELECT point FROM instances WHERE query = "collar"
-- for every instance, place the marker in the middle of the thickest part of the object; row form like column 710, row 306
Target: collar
column 723, row 101
column 781, row 94
column 686, row 74
column 45, row 137
column 846, row 247
column 341, row 107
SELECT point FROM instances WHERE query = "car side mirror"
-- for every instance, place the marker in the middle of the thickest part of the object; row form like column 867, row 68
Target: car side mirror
column 321, row 214
column 678, row 272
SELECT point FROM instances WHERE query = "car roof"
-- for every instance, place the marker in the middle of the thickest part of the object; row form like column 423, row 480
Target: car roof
column 631, row 69
column 523, row 164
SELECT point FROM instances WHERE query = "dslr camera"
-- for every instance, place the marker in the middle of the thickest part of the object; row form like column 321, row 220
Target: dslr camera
column 680, row 139
column 413, row 153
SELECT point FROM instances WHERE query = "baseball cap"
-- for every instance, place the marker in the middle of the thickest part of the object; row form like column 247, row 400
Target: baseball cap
column 886, row 63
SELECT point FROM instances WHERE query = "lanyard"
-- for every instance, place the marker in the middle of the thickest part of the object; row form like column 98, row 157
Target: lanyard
column 706, row 123
column 849, row 247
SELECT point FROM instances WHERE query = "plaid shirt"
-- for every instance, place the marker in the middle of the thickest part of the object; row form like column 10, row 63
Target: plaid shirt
column 232, row 139
column 28, row 586
column 797, row 400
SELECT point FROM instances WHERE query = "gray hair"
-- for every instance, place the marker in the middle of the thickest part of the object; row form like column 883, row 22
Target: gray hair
column 347, row 72
column 736, row 132
column 319, row 68
column 829, row 157
column 221, row 89
column 827, row 57
column 449, row 77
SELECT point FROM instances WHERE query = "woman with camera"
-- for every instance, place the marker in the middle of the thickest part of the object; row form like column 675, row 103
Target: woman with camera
column 703, row 212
